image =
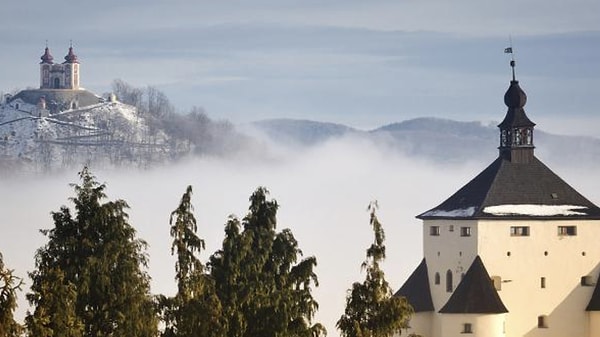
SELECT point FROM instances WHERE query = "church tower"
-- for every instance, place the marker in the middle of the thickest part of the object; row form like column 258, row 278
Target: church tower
column 45, row 68
column 512, row 253
column 71, row 67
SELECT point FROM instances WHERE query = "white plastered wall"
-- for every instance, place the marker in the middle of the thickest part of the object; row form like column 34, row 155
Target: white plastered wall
column 482, row 325
column 522, row 262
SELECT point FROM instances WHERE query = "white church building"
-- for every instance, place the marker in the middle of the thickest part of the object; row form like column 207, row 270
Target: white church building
column 59, row 90
column 514, row 252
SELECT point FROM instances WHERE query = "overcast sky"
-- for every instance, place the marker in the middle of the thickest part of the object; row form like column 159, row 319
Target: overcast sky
column 360, row 63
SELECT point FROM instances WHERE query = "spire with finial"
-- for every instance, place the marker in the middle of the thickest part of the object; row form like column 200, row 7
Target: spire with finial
column 71, row 57
column 516, row 130
column 47, row 57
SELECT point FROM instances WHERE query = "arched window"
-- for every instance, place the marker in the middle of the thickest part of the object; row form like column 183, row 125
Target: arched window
column 56, row 83
column 449, row 285
column 437, row 278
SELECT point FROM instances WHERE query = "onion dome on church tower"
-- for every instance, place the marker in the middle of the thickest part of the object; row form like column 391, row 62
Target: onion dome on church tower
column 47, row 57
column 71, row 57
column 516, row 130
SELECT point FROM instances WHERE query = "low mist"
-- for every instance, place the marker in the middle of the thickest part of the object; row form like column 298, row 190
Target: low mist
column 323, row 194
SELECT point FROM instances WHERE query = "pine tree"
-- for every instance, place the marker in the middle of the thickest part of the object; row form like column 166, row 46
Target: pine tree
column 9, row 285
column 89, row 278
column 263, row 288
column 371, row 310
column 195, row 310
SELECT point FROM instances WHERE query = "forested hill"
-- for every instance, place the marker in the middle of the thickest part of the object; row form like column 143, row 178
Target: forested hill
column 439, row 140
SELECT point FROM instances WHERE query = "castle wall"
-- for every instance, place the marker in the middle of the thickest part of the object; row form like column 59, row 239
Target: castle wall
column 450, row 251
column 594, row 324
column 481, row 325
column 420, row 324
column 540, row 274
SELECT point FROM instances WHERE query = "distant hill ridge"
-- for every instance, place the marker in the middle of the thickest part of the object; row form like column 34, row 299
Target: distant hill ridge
column 437, row 139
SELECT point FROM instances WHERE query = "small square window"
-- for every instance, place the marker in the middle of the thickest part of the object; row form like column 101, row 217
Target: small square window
column 467, row 328
column 465, row 231
column 543, row 321
column 587, row 281
column 519, row 231
column 434, row 230
column 567, row 230
column 497, row 282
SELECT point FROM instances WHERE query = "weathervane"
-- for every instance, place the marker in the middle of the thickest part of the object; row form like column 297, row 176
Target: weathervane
column 509, row 50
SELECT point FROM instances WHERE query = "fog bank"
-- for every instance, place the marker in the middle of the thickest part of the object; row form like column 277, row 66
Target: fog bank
column 323, row 193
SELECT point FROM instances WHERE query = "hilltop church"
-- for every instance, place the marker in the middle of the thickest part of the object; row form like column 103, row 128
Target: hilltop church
column 59, row 90
column 514, row 252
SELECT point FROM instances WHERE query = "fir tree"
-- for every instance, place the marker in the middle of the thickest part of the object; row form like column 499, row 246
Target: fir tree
column 9, row 285
column 89, row 278
column 371, row 310
column 195, row 310
column 263, row 288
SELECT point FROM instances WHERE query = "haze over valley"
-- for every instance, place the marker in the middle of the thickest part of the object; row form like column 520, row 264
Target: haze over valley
column 328, row 105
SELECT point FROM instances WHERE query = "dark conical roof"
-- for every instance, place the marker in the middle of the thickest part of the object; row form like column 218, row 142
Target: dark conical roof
column 416, row 289
column 475, row 294
column 71, row 57
column 47, row 57
column 521, row 190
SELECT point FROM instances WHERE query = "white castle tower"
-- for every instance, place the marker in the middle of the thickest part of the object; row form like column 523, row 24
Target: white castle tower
column 515, row 252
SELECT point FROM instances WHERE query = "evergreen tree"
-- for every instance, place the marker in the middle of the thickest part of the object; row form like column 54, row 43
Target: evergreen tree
column 88, row 278
column 195, row 310
column 9, row 285
column 371, row 309
column 263, row 288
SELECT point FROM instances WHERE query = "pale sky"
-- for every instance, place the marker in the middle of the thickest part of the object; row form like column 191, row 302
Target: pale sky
column 363, row 64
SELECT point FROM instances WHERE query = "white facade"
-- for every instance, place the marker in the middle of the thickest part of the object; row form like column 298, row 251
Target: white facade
column 59, row 75
column 545, row 273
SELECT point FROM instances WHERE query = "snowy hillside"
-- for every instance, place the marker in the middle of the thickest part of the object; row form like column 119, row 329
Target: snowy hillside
column 109, row 133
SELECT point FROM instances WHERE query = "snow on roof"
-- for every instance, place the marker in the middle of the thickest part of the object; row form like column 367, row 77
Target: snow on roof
column 534, row 210
column 456, row 213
